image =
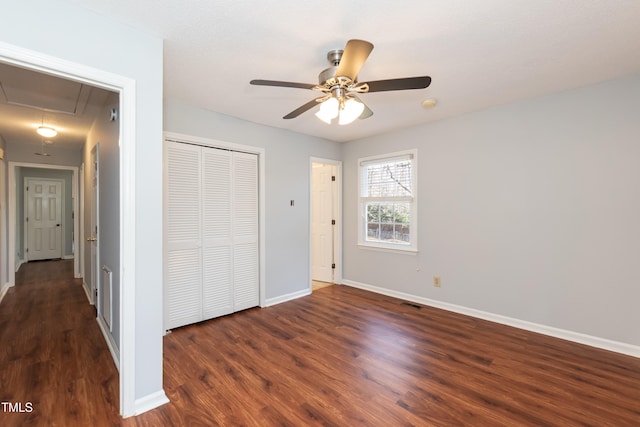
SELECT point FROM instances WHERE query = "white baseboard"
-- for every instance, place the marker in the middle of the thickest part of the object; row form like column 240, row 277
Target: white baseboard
column 603, row 343
column 287, row 297
column 150, row 402
column 67, row 257
column 4, row 290
column 87, row 291
column 111, row 343
column 19, row 263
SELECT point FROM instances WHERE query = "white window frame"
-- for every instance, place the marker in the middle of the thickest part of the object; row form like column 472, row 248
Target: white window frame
column 412, row 247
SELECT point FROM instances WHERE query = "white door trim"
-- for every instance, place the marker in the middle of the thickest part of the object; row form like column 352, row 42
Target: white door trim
column 126, row 87
column 260, row 152
column 337, row 231
column 11, row 251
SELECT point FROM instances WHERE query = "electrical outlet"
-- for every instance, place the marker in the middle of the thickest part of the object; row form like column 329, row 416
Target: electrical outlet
column 436, row 281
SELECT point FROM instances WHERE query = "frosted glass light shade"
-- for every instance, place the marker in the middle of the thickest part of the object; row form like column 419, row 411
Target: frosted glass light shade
column 328, row 110
column 331, row 108
column 351, row 111
column 46, row 131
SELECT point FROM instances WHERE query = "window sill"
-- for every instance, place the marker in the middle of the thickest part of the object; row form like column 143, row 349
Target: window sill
column 407, row 251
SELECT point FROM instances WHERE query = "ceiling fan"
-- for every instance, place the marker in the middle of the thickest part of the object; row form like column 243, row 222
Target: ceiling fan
column 340, row 86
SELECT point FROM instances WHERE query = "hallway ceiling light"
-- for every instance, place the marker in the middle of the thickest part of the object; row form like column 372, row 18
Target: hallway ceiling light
column 46, row 131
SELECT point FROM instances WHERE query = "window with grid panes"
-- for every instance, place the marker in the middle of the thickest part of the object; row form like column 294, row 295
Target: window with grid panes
column 387, row 201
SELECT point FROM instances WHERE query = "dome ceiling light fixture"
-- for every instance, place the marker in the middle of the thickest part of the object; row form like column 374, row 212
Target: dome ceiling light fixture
column 46, row 131
column 340, row 87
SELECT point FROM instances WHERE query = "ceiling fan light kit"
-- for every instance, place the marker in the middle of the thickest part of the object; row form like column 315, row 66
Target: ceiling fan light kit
column 340, row 87
column 346, row 109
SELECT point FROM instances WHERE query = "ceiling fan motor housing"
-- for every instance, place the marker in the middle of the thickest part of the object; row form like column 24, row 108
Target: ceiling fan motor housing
column 327, row 74
column 333, row 56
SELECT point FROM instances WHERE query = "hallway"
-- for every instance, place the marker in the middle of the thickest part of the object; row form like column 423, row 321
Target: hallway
column 52, row 353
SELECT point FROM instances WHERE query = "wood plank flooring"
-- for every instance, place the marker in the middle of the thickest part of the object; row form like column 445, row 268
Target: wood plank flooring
column 52, row 353
column 339, row 357
column 346, row 357
column 316, row 284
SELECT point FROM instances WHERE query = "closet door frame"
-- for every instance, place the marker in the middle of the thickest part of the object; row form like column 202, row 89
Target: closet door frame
column 260, row 152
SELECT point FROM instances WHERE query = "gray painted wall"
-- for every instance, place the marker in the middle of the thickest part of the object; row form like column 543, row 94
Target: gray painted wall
column 17, row 151
column 528, row 210
column 287, row 172
column 72, row 33
column 106, row 133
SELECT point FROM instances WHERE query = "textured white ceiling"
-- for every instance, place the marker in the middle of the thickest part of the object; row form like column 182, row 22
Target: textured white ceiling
column 478, row 53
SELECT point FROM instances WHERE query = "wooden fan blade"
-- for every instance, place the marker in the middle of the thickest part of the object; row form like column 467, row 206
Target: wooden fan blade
column 399, row 84
column 309, row 105
column 282, row 84
column 355, row 54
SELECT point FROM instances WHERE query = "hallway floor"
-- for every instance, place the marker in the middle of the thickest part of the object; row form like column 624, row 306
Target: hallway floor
column 55, row 367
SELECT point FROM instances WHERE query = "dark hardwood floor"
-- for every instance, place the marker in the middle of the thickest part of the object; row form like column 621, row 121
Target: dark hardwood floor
column 52, row 353
column 339, row 357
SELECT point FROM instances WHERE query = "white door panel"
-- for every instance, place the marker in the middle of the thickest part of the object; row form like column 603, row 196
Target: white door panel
column 183, row 256
column 244, row 188
column 321, row 226
column 217, row 273
column 44, row 219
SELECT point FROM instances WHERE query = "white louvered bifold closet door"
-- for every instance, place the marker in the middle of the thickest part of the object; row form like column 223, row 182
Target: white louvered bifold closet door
column 244, row 190
column 218, row 244
column 183, row 259
column 211, row 252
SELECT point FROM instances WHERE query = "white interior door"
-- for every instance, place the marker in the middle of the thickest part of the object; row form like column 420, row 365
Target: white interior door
column 321, row 222
column 244, row 229
column 217, row 256
column 183, row 235
column 44, row 219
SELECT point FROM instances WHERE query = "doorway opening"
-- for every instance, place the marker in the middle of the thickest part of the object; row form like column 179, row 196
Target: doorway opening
column 122, row 163
column 325, row 223
column 23, row 199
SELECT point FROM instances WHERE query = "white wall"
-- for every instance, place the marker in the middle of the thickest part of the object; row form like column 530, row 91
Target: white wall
column 68, row 32
column 287, row 172
column 528, row 210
